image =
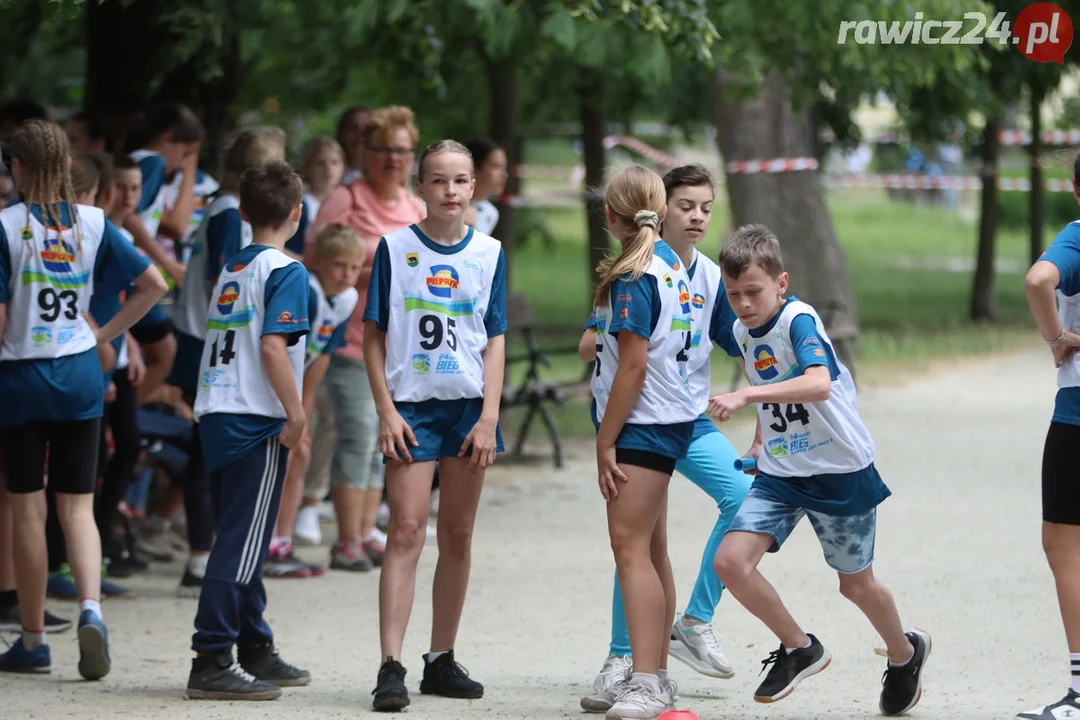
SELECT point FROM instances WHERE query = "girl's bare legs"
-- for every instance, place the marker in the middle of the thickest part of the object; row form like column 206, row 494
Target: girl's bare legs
column 83, row 542
column 31, row 559
column 461, row 485
column 662, row 563
column 409, row 486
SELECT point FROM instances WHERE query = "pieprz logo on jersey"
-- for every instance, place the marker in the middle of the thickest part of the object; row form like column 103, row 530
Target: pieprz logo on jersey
column 684, row 297
column 230, row 293
column 57, row 255
column 765, row 362
column 443, row 281
column 325, row 331
column 698, row 300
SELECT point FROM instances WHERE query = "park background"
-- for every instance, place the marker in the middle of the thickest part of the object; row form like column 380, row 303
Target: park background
column 910, row 277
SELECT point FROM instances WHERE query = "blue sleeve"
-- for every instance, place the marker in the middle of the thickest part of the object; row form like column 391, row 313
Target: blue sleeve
column 118, row 262
column 337, row 340
column 721, row 322
column 635, row 306
column 295, row 244
column 810, row 348
column 5, row 266
column 223, row 234
column 495, row 317
column 1064, row 253
column 590, row 324
column 153, row 177
column 378, row 292
column 286, row 302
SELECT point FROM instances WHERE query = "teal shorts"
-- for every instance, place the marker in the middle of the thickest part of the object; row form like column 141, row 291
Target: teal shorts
column 441, row 426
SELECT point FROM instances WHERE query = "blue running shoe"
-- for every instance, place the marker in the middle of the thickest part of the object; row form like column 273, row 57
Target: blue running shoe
column 94, row 662
column 20, row 660
column 61, row 584
column 112, row 590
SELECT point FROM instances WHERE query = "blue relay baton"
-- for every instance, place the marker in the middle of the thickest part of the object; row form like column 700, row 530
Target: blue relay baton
column 745, row 464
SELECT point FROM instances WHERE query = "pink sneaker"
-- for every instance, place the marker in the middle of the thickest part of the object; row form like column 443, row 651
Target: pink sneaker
column 350, row 556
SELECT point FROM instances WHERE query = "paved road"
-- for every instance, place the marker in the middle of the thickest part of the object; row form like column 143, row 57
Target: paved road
column 958, row 543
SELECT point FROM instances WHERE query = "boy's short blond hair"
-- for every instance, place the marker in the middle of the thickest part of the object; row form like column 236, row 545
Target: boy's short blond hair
column 337, row 239
column 751, row 245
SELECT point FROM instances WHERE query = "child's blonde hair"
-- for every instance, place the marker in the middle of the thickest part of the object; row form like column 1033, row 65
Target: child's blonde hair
column 85, row 175
column 319, row 144
column 336, row 239
column 43, row 150
column 439, row 148
column 637, row 195
column 249, row 148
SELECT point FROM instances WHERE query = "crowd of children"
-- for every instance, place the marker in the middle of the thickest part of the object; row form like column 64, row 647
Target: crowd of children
column 259, row 306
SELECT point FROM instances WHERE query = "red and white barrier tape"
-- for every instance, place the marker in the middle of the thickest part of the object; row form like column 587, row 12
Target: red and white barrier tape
column 774, row 165
column 643, row 149
column 1048, row 137
column 944, row 182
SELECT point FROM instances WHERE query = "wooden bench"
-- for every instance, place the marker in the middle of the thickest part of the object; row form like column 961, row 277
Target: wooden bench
column 842, row 337
column 532, row 392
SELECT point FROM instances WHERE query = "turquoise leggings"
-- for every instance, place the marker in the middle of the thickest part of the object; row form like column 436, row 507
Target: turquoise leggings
column 709, row 463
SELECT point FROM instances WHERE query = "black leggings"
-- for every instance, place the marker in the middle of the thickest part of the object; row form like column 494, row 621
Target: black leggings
column 122, row 417
column 70, row 446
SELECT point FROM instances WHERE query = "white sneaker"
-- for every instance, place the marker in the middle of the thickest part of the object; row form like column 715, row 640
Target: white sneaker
column 671, row 691
column 382, row 518
column 640, row 702
column 608, row 684
column 379, row 536
column 433, row 508
column 698, row 647
column 326, row 510
column 306, row 530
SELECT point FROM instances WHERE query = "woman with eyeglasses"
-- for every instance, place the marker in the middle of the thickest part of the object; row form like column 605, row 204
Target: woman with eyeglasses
column 374, row 205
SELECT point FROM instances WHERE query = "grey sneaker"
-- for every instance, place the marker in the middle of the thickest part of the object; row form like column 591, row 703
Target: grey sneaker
column 697, row 646
column 350, row 556
column 608, row 684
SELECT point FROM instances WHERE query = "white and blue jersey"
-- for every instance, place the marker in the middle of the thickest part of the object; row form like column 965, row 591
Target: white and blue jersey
column 656, row 306
column 487, row 217
column 818, row 455
column 261, row 291
column 155, row 194
column 49, row 366
column 204, row 187
column 328, row 317
column 438, row 305
column 1064, row 254
column 219, row 238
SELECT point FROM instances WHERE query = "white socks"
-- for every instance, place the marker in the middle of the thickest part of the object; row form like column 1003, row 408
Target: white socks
column 92, row 605
column 31, row 641
column 1075, row 658
column 433, row 656
column 809, row 642
column 196, row 565
column 663, row 676
column 647, row 680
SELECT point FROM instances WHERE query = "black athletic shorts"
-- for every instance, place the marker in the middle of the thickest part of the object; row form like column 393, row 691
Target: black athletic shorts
column 152, row 333
column 1061, row 474
column 69, row 447
column 645, row 459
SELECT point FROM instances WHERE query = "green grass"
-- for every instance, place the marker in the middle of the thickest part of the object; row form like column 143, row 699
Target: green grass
column 909, row 266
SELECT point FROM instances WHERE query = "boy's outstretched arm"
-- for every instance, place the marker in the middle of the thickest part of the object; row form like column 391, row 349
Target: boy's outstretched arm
column 275, row 360
column 814, row 385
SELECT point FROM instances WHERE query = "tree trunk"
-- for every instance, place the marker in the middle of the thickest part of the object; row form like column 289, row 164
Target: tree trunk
column 1036, row 198
column 982, row 292
column 592, row 139
column 791, row 204
column 502, row 87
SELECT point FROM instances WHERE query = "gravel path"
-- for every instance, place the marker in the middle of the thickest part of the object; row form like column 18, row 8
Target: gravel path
column 958, row 544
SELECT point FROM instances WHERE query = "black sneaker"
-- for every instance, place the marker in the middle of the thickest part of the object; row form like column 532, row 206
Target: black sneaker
column 11, row 621
column 218, row 677
column 449, row 679
column 1066, row 707
column 390, row 692
column 190, row 586
column 789, row 669
column 266, row 664
column 902, row 684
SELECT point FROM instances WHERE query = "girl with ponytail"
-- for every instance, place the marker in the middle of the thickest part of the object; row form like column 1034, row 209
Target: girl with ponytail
column 55, row 255
column 644, row 412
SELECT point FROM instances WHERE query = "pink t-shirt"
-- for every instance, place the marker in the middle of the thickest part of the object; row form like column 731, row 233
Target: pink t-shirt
column 357, row 206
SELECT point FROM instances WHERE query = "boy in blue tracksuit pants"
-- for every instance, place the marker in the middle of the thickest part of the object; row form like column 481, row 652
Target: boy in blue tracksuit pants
column 250, row 414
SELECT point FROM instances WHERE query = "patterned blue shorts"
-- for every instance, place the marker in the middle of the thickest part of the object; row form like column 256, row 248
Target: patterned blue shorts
column 847, row 541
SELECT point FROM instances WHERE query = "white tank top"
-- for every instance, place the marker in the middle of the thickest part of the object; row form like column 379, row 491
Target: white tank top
column 231, row 375
column 151, row 216
column 52, row 280
column 804, row 439
column 665, row 397
column 704, row 287
column 436, row 332
column 189, row 312
column 327, row 317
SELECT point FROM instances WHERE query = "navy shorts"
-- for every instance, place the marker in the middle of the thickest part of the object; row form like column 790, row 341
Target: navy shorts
column 441, row 426
column 152, row 327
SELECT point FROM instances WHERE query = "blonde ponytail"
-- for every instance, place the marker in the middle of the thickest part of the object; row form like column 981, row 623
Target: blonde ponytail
column 636, row 194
